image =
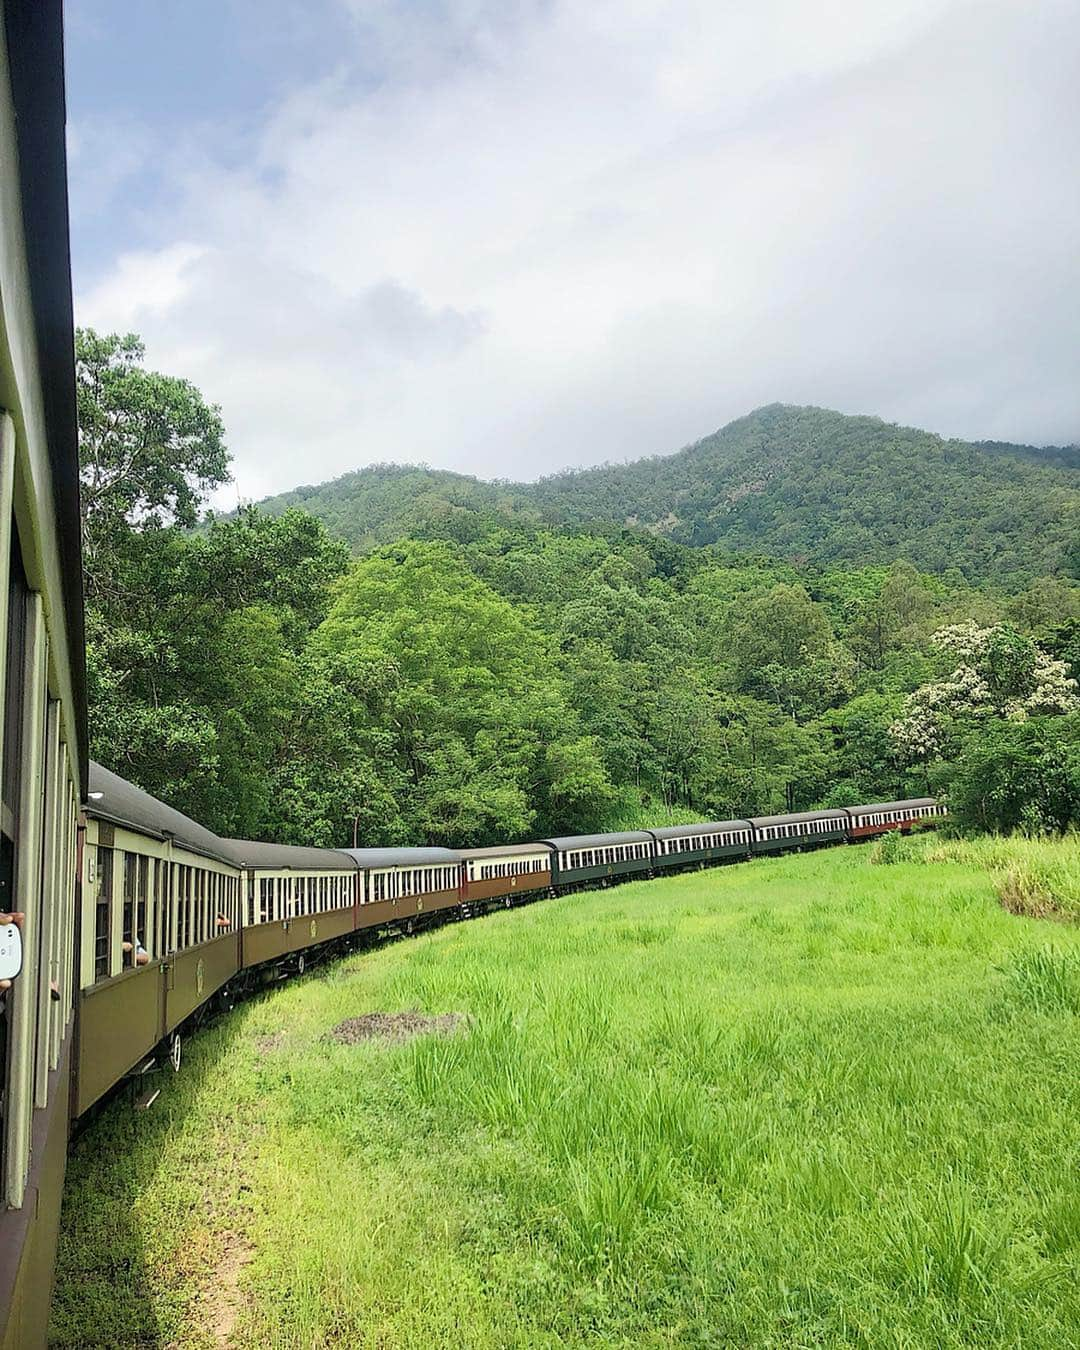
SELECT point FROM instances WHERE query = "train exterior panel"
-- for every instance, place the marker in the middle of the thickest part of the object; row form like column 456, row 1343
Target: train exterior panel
column 194, row 975
column 384, row 914
column 684, row 845
column 28, row 1250
column 877, row 818
column 803, row 829
column 43, row 726
column 504, row 872
column 329, row 925
column 599, row 858
column 120, row 1022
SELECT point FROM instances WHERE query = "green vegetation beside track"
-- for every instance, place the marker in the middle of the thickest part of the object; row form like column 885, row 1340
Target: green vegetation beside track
column 817, row 1100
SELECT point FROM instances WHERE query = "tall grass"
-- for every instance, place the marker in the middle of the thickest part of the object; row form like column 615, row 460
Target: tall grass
column 1038, row 878
column 806, row 1101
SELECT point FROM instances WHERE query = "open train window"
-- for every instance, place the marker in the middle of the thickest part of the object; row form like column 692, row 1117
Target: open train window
column 103, row 913
column 131, row 870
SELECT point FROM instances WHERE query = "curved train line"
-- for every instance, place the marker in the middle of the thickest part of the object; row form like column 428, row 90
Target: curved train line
column 176, row 920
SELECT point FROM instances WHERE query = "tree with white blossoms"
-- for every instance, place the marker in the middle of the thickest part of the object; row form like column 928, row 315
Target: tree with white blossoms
column 996, row 674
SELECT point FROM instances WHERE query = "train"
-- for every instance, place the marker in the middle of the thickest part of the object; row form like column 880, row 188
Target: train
column 135, row 921
column 177, row 922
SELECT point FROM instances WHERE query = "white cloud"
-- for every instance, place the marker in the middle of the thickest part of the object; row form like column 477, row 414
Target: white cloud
column 144, row 286
column 505, row 238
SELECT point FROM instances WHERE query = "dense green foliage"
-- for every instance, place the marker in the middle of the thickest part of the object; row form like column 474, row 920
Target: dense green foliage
column 803, row 484
column 489, row 679
column 803, row 1101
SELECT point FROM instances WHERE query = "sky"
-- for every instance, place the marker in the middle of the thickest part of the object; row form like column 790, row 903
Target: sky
column 506, row 237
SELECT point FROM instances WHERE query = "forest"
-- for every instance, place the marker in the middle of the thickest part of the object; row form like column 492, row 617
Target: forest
column 459, row 666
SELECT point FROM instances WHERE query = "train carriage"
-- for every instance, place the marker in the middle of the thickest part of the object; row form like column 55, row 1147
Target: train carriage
column 877, row 818
column 583, row 858
column 802, row 829
column 160, row 928
column 685, row 845
column 405, row 885
column 504, row 872
column 294, row 898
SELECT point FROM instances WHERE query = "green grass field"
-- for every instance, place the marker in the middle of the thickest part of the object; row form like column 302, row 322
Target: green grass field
column 797, row 1102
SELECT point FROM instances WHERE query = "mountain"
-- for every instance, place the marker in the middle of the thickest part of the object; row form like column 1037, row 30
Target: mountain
column 800, row 483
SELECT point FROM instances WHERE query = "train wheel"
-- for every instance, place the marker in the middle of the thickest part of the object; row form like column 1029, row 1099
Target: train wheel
column 300, row 964
column 507, row 902
column 175, row 1051
column 410, row 927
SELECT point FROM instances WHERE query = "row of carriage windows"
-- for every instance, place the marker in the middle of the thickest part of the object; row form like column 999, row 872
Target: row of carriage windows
column 603, row 857
column 403, row 881
column 696, row 842
column 894, row 817
column 286, row 897
column 164, row 907
column 519, row 867
column 801, row 828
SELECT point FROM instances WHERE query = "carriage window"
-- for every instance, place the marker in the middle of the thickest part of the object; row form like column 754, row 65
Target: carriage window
column 142, row 900
column 131, row 866
column 181, row 906
column 103, row 913
column 187, row 905
column 165, row 906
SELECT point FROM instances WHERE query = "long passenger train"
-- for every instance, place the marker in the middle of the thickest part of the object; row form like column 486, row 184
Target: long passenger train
column 135, row 920
column 176, row 921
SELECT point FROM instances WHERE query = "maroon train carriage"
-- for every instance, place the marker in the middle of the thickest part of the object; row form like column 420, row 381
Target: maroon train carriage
column 403, row 886
column 504, row 872
column 879, row 817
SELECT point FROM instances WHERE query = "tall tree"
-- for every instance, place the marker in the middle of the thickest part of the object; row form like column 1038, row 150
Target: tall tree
column 150, row 448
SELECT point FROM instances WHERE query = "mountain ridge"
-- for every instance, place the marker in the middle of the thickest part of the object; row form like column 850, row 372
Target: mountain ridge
column 796, row 482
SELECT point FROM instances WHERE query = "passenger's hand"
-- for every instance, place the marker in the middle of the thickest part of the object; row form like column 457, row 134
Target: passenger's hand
column 18, row 919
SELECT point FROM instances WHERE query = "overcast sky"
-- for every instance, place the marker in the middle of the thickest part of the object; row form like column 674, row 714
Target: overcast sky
column 507, row 236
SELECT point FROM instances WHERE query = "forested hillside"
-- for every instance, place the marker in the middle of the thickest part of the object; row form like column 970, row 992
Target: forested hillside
column 802, row 484
column 485, row 677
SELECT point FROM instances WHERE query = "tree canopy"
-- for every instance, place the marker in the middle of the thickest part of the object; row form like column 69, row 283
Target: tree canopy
column 488, row 675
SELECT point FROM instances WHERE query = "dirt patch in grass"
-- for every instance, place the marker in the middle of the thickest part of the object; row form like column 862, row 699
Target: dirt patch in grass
column 266, row 1045
column 395, row 1027
column 223, row 1301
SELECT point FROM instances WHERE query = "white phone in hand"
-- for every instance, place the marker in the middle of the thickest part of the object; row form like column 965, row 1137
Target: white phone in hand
column 10, row 951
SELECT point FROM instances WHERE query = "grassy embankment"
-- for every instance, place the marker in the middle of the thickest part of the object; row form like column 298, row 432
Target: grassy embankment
column 805, row 1101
